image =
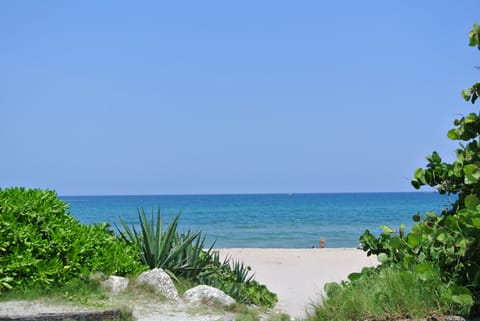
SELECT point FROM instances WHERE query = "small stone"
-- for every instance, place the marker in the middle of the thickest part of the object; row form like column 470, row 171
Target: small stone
column 115, row 284
column 454, row 318
column 160, row 282
column 207, row 293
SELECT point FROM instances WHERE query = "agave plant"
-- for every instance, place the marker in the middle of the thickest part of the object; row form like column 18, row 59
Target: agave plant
column 194, row 259
column 242, row 272
column 159, row 248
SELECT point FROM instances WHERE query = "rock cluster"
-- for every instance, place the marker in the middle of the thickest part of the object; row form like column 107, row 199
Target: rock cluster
column 160, row 282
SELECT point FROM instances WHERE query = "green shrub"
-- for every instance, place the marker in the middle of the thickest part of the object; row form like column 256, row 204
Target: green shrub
column 184, row 257
column 448, row 243
column 42, row 244
column 236, row 282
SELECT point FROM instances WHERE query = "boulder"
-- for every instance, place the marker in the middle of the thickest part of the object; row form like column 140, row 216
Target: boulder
column 160, row 282
column 115, row 284
column 202, row 293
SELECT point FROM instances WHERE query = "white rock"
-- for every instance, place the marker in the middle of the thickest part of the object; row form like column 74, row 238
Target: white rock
column 160, row 282
column 203, row 293
column 115, row 284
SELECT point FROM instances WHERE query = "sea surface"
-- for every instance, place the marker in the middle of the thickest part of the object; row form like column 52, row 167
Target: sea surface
column 267, row 220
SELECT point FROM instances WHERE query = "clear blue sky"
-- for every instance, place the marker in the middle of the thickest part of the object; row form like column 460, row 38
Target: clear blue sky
column 182, row 97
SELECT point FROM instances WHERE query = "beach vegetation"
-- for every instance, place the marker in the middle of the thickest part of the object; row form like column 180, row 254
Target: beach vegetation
column 447, row 243
column 439, row 255
column 234, row 278
column 252, row 315
column 43, row 245
column 386, row 294
column 186, row 258
column 180, row 255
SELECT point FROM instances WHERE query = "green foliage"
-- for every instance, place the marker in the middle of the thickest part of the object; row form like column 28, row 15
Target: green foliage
column 247, row 316
column 385, row 294
column 447, row 244
column 180, row 255
column 236, row 282
column 184, row 257
column 43, row 245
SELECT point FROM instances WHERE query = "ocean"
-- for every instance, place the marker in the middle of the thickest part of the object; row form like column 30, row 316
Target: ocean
column 267, row 220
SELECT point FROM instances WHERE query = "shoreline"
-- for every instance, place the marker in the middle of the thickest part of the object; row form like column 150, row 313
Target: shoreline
column 298, row 276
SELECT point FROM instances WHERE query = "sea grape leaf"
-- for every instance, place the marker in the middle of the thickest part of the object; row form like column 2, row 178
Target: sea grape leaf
column 472, row 174
column 462, row 295
column 383, row 258
column 414, row 240
column 424, row 268
column 466, row 93
column 354, row 276
column 471, row 202
column 476, row 222
column 387, row 229
column 396, row 242
column 463, row 299
column 453, row 134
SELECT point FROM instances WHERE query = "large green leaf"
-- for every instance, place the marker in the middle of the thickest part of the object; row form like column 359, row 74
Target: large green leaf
column 414, row 240
column 471, row 202
column 472, row 174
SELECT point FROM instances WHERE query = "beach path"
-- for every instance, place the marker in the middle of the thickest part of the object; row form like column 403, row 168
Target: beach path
column 298, row 276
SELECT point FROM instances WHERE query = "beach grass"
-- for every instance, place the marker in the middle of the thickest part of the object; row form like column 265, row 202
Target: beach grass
column 388, row 295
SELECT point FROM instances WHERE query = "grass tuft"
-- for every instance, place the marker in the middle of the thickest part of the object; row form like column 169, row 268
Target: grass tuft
column 385, row 295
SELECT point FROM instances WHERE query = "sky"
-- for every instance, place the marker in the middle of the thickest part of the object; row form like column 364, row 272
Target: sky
column 218, row 97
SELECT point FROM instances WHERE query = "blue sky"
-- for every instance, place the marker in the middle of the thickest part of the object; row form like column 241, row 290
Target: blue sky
column 182, row 97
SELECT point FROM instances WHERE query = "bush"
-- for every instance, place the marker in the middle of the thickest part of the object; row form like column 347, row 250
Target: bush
column 450, row 242
column 438, row 261
column 43, row 245
column 184, row 256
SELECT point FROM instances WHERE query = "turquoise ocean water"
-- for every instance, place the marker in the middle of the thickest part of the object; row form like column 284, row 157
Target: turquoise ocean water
column 268, row 220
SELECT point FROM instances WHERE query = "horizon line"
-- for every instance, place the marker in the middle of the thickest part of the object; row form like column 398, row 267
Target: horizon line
column 232, row 194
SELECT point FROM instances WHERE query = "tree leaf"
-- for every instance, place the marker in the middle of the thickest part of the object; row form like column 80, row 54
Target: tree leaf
column 396, row 243
column 414, row 240
column 472, row 173
column 453, row 134
column 387, row 229
column 471, row 202
column 476, row 222
column 383, row 258
column 466, row 93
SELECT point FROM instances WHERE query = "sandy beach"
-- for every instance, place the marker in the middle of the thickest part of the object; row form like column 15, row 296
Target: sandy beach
column 299, row 275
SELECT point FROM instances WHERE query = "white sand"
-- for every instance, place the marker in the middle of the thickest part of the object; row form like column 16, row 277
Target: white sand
column 299, row 275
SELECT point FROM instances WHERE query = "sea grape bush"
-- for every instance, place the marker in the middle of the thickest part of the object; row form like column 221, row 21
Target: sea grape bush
column 446, row 243
column 43, row 245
